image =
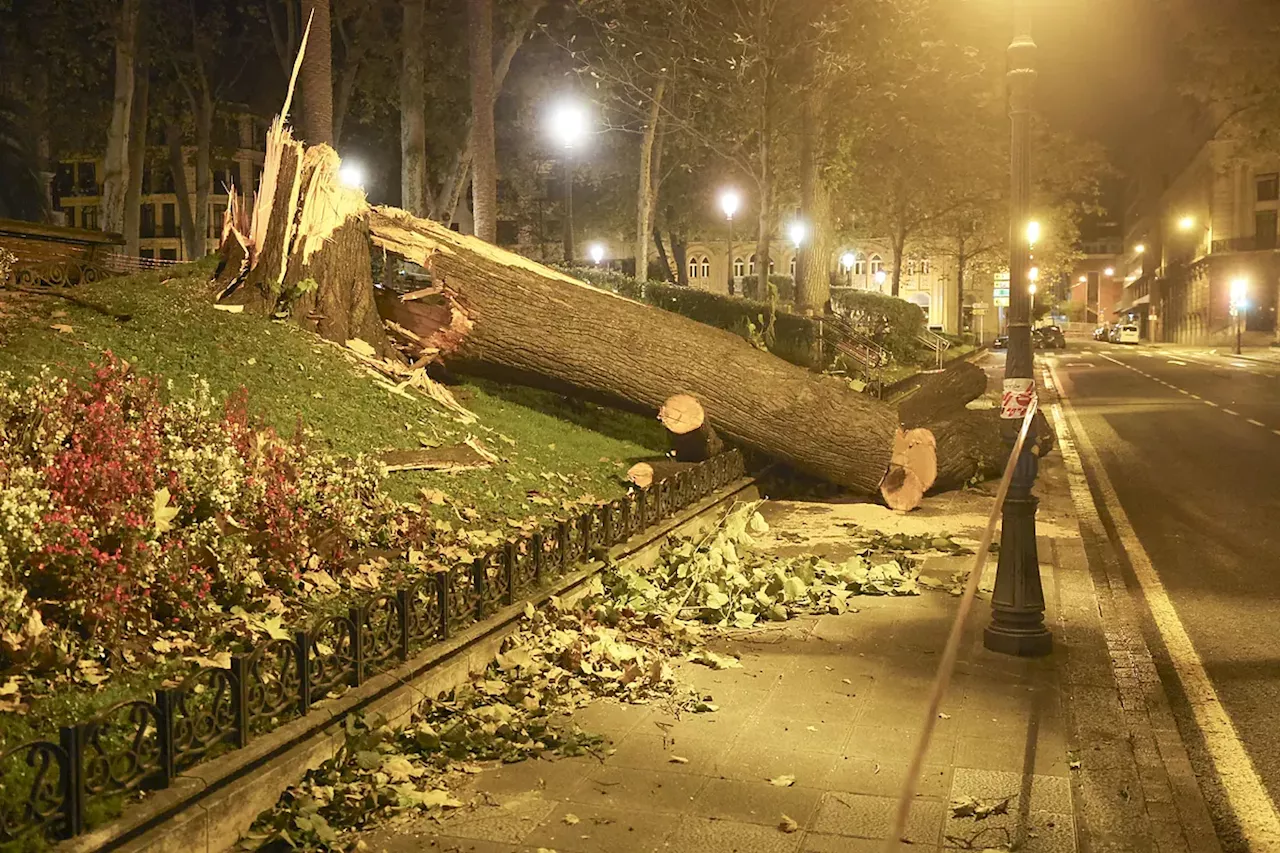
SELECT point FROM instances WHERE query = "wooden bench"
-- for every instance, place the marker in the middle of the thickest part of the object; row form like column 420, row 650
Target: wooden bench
column 51, row 255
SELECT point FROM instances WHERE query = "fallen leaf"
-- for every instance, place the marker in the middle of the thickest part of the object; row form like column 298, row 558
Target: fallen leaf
column 788, row 825
column 230, row 309
column 1075, row 765
column 944, row 716
column 162, row 513
column 979, row 809
column 783, row 781
column 678, row 759
column 571, row 820
column 62, row 327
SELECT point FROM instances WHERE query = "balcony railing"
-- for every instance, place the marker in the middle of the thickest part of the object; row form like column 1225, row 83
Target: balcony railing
column 1252, row 243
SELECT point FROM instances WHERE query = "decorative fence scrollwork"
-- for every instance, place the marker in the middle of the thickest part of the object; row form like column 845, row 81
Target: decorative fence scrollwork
column 46, row 786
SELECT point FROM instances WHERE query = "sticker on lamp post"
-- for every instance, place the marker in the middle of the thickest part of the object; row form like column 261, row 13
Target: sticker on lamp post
column 1017, row 397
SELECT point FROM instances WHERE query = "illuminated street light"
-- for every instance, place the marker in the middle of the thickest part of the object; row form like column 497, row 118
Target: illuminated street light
column 1109, row 271
column 798, row 233
column 568, row 124
column 729, row 204
column 880, row 276
column 1083, row 279
column 1186, row 223
column 1140, row 248
column 351, row 174
column 596, row 251
column 1239, row 304
column 1031, row 288
column 1033, row 274
column 846, row 260
column 1033, row 232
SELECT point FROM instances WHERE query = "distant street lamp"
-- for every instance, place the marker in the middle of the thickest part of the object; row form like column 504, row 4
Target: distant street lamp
column 1109, row 271
column 1033, row 275
column 798, row 233
column 1186, row 223
column 351, row 174
column 847, row 260
column 1033, row 232
column 1140, row 248
column 880, row 277
column 1017, row 600
column 729, row 204
column 1239, row 304
column 596, row 251
column 568, row 125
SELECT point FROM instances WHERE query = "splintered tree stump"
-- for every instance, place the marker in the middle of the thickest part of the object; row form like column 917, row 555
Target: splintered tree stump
column 645, row 474
column 692, row 438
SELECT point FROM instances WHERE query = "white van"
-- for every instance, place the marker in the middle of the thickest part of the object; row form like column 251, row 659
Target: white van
column 1128, row 334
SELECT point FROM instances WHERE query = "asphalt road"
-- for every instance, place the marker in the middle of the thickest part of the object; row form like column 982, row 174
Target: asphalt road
column 1191, row 443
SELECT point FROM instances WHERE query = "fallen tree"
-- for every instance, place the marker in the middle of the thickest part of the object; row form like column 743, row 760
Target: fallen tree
column 306, row 257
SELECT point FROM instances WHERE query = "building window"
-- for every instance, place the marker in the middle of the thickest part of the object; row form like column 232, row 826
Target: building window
column 793, row 266
column 859, row 264
column 168, row 254
column 1264, row 229
column 64, row 181
column 751, row 266
column 70, row 212
column 1268, row 187
column 86, row 179
column 508, row 233
column 693, row 266
column 147, row 254
column 147, row 221
column 706, row 267
column 926, row 266
column 168, row 221
column 877, row 265
column 215, row 221
column 738, row 266
column 911, row 266
column 89, row 217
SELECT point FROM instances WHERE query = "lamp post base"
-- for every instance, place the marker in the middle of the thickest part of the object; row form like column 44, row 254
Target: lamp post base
column 1017, row 601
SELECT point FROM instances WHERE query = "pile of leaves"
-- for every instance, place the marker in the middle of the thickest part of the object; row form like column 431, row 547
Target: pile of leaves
column 726, row 580
column 518, row 709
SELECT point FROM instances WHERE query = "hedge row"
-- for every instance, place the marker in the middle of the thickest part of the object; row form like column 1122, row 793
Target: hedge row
column 894, row 324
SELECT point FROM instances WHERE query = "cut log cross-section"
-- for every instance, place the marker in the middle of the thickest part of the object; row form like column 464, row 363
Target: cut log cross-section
column 692, row 438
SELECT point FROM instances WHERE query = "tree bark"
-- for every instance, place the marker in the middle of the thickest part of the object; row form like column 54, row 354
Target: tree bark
column 204, row 173
column 316, row 77
column 899, row 247
column 939, row 395
column 644, row 192
column 137, row 153
column 662, row 255
column 413, row 101
column 484, row 170
column 955, row 311
column 813, row 280
column 115, row 181
column 763, row 237
column 507, row 311
column 181, row 190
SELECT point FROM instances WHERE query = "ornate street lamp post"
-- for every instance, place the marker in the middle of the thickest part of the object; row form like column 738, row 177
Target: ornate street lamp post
column 568, row 124
column 1017, row 602
column 729, row 204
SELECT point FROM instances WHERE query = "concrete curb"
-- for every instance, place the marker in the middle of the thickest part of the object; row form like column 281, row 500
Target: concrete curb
column 209, row 806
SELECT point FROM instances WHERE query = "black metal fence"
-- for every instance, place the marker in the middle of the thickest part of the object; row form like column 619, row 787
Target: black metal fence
column 47, row 786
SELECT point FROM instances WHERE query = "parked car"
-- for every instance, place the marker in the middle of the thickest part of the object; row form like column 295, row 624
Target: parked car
column 1101, row 333
column 1127, row 334
column 1001, row 342
column 1048, row 337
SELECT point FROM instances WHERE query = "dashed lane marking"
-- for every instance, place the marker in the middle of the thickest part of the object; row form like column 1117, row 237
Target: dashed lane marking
column 1179, row 363
column 1231, row 412
column 1254, row 810
column 1211, row 403
column 1255, row 422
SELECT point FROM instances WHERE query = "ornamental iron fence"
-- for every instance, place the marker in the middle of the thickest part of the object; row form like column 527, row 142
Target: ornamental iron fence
column 48, row 786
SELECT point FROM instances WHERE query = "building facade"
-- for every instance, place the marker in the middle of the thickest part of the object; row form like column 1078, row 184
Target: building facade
column 710, row 265
column 77, row 190
column 1214, row 223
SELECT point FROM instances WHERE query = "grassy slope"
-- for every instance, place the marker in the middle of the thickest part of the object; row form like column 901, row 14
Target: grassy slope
column 293, row 376
column 290, row 374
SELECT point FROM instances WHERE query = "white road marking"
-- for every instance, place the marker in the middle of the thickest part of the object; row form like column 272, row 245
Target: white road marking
column 1184, row 391
column 1241, row 364
column 1179, row 363
column 1254, row 810
column 1196, row 397
column 1231, row 412
column 1255, row 423
column 1211, row 403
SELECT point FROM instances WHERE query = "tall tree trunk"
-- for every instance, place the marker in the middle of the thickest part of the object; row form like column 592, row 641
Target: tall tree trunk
column 345, row 89
column 484, row 172
column 413, row 101
column 39, row 104
column 665, row 262
column 204, row 174
column 445, row 206
column 137, row 153
column 899, row 247
column 813, row 281
column 644, row 193
column 181, row 191
column 316, row 81
column 955, row 311
column 765, row 226
column 115, row 181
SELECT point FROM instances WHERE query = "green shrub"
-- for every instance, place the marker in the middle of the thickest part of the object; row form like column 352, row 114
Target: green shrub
column 893, row 323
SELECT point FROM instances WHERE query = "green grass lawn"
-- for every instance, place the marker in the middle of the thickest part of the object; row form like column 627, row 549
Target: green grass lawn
column 294, row 377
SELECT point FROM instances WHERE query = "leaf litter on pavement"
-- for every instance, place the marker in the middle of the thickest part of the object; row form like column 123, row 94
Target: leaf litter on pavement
column 620, row 641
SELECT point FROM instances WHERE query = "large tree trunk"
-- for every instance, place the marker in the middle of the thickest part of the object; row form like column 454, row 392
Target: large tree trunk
column 484, row 170
column 955, row 311
column 413, row 105
column 644, row 191
column 665, row 262
column 181, row 190
column 899, row 248
column 316, row 79
column 115, row 180
column 204, row 173
column 934, row 396
column 137, row 153
column 445, row 206
column 765, row 129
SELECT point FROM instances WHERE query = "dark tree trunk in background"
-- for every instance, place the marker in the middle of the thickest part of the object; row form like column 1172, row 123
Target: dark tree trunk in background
column 115, row 174
column 663, row 260
column 899, row 247
column 204, row 172
column 645, row 190
column 813, row 273
column 181, row 190
column 413, row 105
column 484, row 169
column 137, row 151
column 316, row 78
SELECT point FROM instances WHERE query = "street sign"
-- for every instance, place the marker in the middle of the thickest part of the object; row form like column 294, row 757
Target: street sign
column 1000, row 293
